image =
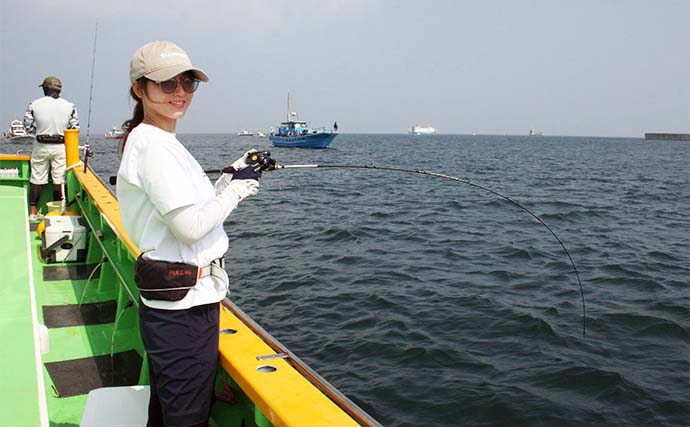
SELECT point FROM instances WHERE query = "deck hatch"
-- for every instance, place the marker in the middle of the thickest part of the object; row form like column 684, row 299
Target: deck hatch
column 59, row 316
column 69, row 272
column 79, row 376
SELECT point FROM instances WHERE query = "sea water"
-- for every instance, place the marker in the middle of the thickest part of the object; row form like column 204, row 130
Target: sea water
column 429, row 302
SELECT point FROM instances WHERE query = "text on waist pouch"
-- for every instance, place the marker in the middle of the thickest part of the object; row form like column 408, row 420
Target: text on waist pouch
column 178, row 273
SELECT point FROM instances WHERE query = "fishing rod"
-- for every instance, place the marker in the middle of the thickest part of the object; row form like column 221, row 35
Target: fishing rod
column 87, row 152
column 93, row 68
column 262, row 161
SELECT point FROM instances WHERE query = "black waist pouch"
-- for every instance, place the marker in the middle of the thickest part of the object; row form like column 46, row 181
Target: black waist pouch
column 164, row 280
column 50, row 139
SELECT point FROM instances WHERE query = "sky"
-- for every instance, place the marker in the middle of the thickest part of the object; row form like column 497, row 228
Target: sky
column 572, row 68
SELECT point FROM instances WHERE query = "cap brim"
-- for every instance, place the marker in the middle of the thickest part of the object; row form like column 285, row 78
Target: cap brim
column 170, row 72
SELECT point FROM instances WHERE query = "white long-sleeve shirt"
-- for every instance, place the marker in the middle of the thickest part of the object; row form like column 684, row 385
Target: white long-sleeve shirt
column 171, row 210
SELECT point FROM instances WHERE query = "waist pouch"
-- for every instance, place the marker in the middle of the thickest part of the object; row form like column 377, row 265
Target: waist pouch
column 50, row 139
column 164, row 280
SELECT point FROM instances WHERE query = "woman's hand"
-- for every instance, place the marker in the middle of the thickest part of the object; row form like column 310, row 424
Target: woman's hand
column 241, row 163
column 249, row 172
column 244, row 187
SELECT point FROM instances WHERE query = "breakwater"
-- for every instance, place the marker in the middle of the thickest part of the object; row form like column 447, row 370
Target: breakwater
column 668, row 136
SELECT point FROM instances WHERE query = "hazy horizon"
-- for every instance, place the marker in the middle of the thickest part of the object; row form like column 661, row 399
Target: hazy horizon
column 405, row 132
column 591, row 68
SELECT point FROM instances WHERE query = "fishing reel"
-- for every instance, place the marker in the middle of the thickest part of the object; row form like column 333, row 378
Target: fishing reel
column 259, row 160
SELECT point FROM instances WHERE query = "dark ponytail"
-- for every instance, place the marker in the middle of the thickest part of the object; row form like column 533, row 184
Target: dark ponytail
column 138, row 114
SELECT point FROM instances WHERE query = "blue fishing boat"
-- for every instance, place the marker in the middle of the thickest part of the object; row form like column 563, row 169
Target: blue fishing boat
column 296, row 133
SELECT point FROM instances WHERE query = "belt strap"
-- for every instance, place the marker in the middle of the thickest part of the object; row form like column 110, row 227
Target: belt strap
column 50, row 139
column 216, row 268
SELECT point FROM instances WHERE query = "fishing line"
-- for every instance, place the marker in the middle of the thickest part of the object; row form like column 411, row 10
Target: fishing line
column 463, row 181
column 262, row 161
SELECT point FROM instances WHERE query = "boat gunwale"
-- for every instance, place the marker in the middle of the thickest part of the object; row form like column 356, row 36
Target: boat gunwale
column 15, row 157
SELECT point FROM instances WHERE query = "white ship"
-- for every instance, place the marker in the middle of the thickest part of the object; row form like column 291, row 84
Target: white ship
column 251, row 133
column 115, row 133
column 421, row 130
column 18, row 133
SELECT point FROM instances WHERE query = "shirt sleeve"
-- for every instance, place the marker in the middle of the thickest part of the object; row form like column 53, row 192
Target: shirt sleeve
column 29, row 121
column 165, row 177
column 222, row 182
column 190, row 223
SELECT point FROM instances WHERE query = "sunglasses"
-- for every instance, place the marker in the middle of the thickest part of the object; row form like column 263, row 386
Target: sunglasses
column 189, row 85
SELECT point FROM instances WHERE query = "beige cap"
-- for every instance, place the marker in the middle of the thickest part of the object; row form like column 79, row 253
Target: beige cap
column 51, row 82
column 161, row 60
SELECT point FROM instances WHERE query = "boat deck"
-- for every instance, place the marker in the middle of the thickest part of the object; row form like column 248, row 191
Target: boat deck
column 19, row 395
column 87, row 349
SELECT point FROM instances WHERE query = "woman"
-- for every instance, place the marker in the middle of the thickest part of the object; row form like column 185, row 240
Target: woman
column 175, row 216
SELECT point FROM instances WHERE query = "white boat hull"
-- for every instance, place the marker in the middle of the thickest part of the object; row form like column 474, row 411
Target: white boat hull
column 20, row 139
column 422, row 130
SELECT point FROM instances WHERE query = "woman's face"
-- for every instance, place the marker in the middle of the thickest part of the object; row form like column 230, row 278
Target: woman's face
column 162, row 109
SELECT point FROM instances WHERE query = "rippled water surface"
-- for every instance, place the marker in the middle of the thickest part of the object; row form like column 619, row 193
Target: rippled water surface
column 429, row 302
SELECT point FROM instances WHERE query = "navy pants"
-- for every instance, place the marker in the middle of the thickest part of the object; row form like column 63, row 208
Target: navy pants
column 182, row 348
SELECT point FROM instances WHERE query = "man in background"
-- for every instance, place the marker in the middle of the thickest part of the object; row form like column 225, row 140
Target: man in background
column 48, row 117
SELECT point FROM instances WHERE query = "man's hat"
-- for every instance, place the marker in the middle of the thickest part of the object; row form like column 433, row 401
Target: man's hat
column 51, row 82
column 160, row 61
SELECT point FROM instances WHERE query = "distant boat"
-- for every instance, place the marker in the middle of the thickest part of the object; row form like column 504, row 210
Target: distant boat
column 251, row 133
column 18, row 133
column 534, row 132
column 115, row 133
column 421, row 130
column 296, row 133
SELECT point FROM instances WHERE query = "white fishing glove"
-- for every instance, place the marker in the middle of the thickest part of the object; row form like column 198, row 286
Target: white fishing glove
column 243, row 188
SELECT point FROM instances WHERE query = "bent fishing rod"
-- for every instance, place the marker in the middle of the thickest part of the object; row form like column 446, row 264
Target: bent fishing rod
column 261, row 161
